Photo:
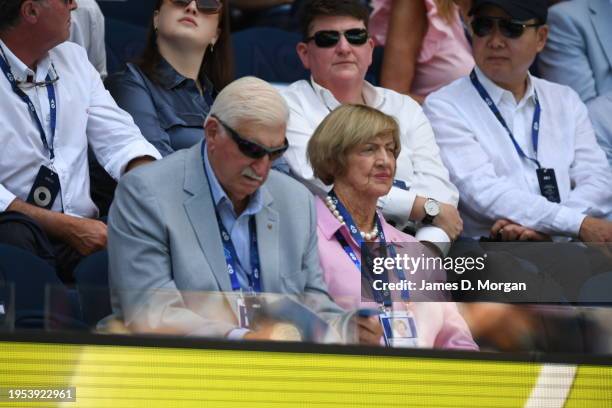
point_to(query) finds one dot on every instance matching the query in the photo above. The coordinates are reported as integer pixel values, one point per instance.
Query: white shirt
(495, 182)
(87, 30)
(419, 164)
(86, 113)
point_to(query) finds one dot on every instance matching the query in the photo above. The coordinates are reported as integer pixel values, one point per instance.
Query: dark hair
(337, 8)
(9, 13)
(218, 66)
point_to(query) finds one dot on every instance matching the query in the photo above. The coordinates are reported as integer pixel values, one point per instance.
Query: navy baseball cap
(521, 10)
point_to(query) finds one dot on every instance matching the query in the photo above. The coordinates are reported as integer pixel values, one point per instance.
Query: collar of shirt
(221, 199)
(169, 78)
(330, 224)
(370, 95)
(499, 94)
(21, 71)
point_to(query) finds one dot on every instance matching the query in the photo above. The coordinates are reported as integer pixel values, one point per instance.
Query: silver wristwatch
(432, 209)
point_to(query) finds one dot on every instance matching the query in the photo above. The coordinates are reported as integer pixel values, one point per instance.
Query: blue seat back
(31, 276)
(91, 277)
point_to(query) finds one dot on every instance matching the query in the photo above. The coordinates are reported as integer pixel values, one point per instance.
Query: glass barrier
(7, 307)
(314, 318)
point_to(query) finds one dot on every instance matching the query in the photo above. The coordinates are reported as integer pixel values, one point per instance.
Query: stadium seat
(91, 277)
(34, 281)
(124, 42)
(268, 53)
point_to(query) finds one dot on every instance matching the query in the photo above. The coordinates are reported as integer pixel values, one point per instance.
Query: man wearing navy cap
(521, 150)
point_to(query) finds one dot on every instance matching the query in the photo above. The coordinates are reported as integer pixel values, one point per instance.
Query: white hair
(250, 99)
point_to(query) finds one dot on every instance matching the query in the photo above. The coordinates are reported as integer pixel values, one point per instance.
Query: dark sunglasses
(252, 149)
(483, 26)
(329, 38)
(205, 6)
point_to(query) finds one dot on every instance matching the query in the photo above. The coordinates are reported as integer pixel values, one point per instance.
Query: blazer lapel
(201, 213)
(600, 15)
(268, 234)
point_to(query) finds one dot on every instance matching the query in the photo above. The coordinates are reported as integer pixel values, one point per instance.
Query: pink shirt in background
(439, 324)
(446, 54)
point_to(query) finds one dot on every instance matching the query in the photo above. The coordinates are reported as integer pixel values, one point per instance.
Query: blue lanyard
(52, 105)
(535, 127)
(385, 297)
(231, 257)
(229, 251)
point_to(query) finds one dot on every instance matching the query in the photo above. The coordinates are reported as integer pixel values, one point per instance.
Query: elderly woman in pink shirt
(355, 148)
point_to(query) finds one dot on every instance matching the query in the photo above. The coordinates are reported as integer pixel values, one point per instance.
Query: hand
(505, 327)
(278, 331)
(85, 235)
(369, 330)
(595, 230)
(509, 231)
(449, 220)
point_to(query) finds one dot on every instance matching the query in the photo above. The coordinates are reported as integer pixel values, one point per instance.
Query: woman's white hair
(252, 100)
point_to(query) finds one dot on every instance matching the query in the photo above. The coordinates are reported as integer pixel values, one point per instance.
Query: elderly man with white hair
(214, 218)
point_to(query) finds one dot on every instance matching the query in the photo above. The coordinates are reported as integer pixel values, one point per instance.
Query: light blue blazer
(167, 266)
(579, 54)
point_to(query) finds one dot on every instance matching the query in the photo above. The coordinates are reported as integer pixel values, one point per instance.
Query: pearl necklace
(329, 202)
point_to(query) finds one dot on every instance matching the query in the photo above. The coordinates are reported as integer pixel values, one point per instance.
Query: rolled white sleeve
(6, 198)
(112, 134)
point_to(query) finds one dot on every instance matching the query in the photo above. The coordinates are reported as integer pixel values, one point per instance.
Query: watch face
(432, 208)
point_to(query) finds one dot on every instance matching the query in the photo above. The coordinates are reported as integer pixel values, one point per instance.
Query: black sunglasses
(205, 6)
(483, 26)
(329, 38)
(252, 149)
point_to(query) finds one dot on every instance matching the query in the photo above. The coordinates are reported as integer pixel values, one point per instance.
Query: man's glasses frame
(329, 38)
(204, 6)
(252, 149)
(32, 84)
(513, 29)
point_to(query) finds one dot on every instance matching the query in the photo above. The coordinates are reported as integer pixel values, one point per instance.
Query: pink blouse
(439, 324)
(445, 55)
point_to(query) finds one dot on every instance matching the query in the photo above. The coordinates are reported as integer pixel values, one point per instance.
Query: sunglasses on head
(483, 26)
(329, 38)
(252, 149)
(205, 6)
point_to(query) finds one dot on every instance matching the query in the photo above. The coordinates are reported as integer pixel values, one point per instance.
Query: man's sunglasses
(483, 26)
(205, 6)
(329, 38)
(252, 149)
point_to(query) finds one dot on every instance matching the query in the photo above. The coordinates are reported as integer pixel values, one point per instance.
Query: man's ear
(211, 133)
(542, 37)
(302, 51)
(30, 11)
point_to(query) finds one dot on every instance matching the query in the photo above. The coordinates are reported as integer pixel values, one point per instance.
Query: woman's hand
(369, 330)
